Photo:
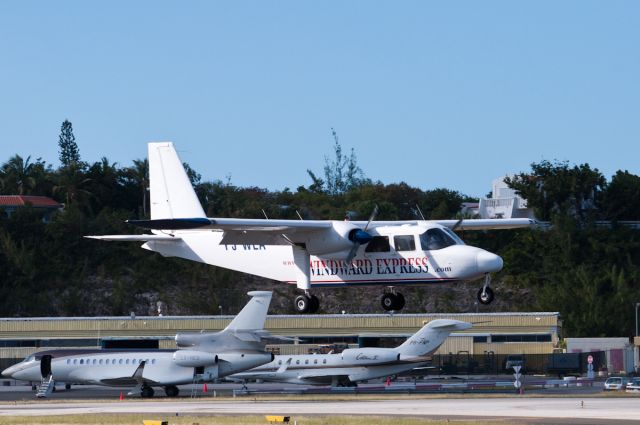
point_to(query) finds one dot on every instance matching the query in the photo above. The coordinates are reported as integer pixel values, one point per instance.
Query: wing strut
(302, 261)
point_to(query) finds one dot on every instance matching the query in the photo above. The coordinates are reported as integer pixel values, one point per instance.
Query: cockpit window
(436, 238)
(404, 243)
(378, 244)
(454, 235)
(29, 359)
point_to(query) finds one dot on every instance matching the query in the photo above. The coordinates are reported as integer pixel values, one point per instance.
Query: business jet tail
(430, 337)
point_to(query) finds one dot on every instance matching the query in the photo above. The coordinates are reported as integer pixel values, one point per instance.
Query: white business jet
(356, 364)
(201, 357)
(311, 253)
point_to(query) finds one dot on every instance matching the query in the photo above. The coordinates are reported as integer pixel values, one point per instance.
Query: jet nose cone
(488, 262)
(8, 372)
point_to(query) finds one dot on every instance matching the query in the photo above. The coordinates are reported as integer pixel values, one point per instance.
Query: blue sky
(437, 94)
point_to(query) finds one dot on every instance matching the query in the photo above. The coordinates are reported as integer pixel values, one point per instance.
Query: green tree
(622, 197)
(341, 173)
(555, 188)
(69, 152)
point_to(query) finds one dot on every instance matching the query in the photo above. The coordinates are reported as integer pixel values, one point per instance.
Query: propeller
(360, 237)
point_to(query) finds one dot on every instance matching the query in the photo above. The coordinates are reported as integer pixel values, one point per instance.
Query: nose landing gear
(485, 294)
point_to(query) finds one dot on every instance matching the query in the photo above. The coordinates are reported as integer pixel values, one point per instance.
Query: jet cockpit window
(378, 244)
(434, 239)
(404, 243)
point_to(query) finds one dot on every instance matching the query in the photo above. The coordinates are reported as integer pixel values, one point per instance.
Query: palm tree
(18, 175)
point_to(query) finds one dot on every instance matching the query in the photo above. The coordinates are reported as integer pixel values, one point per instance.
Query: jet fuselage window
(404, 243)
(81, 361)
(378, 244)
(434, 239)
(120, 361)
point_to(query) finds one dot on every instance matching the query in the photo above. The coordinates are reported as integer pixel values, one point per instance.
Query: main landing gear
(171, 391)
(146, 392)
(307, 303)
(485, 294)
(392, 300)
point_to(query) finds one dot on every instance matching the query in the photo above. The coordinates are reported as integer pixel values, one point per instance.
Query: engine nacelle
(339, 238)
(367, 356)
(192, 358)
(237, 362)
(193, 339)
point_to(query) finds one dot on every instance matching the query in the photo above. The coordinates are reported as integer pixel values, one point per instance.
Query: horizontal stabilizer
(172, 223)
(136, 238)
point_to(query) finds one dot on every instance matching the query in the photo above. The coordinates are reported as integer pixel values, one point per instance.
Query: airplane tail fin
(171, 193)
(253, 315)
(430, 337)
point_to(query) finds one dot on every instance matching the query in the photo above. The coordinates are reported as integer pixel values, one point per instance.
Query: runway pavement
(571, 410)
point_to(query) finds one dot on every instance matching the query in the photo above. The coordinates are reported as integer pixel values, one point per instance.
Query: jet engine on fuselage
(364, 356)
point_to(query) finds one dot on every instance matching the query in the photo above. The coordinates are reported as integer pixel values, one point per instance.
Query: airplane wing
(488, 223)
(238, 231)
(136, 238)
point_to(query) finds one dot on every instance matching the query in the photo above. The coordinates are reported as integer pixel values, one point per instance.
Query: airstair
(46, 386)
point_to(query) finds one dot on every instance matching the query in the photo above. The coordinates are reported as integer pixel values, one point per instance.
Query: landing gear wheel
(392, 301)
(171, 391)
(485, 295)
(387, 301)
(314, 304)
(146, 392)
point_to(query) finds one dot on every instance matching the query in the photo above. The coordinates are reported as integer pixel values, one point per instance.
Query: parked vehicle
(615, 383)
(633, 386)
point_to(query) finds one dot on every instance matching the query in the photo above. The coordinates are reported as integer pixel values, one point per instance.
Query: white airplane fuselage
(394, 267)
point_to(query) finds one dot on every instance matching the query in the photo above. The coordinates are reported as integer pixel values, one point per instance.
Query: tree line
(587, 272)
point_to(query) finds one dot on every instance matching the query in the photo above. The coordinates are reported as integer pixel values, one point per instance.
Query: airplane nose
(488, 262)
(8, 372)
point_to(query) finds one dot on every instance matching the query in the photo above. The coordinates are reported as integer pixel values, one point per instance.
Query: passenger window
(315, 361)
(81, 361)
(279, 362)
(404, 243)
(378, 244)
(120, 361)
(324, 361)
(153, 361)
(434, 239)
(100, 361)
(127, 362)
(75, 361)
(306, 361)
(297, 361)
(94, 361)
(68, 361)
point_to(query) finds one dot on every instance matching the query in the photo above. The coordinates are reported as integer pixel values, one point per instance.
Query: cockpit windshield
(454, 235)
(437, 238)
(29, 358)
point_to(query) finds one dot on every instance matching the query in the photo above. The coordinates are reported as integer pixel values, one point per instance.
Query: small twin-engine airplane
(311, 253)
(201, 357)
(356, 364)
